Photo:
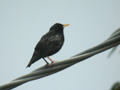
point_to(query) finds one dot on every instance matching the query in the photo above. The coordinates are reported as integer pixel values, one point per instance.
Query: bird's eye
(56, 28)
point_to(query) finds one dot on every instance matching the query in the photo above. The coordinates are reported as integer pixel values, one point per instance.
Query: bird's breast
(55, 44)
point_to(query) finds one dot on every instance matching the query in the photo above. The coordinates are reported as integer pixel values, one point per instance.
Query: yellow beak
(65, 25)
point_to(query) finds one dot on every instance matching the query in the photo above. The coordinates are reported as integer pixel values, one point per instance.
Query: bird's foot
(52, 61)
(50, 64)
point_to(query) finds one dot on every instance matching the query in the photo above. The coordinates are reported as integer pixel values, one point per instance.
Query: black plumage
(49, 44)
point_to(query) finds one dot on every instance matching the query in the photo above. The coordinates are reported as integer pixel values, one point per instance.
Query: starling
(49, 44)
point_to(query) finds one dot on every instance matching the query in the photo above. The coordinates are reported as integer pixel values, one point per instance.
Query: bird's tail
(29, 64)
(34, 58)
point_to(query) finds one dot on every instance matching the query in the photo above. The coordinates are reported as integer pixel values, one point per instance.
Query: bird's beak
(65, 25)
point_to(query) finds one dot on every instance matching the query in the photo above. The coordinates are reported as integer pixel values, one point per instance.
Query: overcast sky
(23, 22)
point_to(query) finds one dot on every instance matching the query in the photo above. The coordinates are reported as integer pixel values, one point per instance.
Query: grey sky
(23, 22)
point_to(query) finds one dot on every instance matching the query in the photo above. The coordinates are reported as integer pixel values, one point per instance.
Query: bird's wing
(49, 44)
(42, 43)
(39, 50)
(54, 44)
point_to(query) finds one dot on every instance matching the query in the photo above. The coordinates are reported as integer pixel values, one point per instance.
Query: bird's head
(58, 27)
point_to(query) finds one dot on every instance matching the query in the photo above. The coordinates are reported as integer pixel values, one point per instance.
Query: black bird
(49, 44)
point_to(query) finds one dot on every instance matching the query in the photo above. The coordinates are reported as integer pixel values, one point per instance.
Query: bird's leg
(45, 61)
(50, 60)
